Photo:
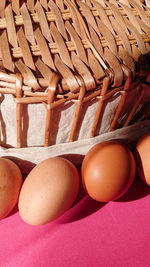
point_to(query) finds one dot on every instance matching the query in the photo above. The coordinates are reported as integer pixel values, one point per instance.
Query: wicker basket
(53, 53)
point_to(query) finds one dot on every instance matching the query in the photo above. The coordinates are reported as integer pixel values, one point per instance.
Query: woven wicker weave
(70, 50)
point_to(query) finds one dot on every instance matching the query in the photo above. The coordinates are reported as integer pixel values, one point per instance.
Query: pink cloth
(90, 234)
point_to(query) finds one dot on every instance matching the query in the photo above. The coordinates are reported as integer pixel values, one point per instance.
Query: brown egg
(10, 184)
(108, 170)
(142, 156)
(48, 191)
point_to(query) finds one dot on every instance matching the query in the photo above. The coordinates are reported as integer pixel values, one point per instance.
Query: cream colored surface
(36, 154)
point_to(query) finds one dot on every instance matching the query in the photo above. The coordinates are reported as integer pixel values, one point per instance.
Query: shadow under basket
(83, 61)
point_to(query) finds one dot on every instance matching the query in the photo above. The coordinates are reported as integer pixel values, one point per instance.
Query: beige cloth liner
(74, 151)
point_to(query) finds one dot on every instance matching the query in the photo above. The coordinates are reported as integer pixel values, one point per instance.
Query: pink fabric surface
(90, 234)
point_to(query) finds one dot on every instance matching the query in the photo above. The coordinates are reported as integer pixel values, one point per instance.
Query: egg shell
(108, 171)
(48, 191)
(142, 156)
(10, 184)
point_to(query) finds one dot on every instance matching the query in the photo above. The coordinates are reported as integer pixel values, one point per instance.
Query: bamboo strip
(77, 111)
(121, 103)
(105, 86)
(50, 98)
(36, 94)
(66, 15)
(30, 100)
(5, 90)
(134, 108)
(19, 109)
(17, 53)
(13, 86)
